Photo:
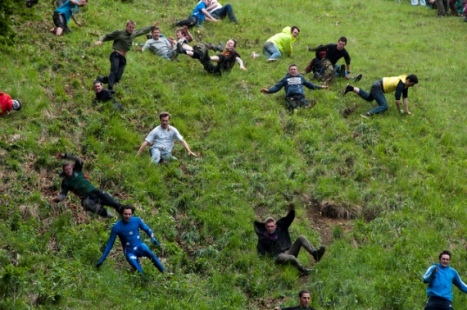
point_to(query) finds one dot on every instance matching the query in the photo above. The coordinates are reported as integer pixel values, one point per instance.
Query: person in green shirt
(74, 180)
(122, 41)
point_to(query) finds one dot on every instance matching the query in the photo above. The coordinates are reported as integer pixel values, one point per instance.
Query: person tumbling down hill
(274, 240)
(225, 60)
(63, 14)
(293, 83)
(8, 104)
(74, 180)
(399, 84)
(127, 230)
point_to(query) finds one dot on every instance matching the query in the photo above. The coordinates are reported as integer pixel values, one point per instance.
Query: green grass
(398, 181)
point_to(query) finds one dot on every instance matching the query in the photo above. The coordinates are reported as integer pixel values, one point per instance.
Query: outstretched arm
(187, 148)
(108, 246)
(141, 148)
(240, 62)
(209, 16)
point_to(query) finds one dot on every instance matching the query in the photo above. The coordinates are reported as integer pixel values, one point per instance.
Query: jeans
(438, 303)
(117, 65)
(377, 94)
(290, 256)
(271, 50)
(224, 11)
(415, 2)
(142, 250)
(157, 154)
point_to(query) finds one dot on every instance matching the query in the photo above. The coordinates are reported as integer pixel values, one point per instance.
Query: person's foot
(100, 78)
(305, 272)
(110, 215)
(357, 78)
(320, 253)
(180, 48)
(53, 30)
(254, 55)
(365, 115)
(348, 88)
(271, 59)
(311, 104)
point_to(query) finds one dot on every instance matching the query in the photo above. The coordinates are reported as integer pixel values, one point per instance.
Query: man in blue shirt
(63, 14)
(440, 278)
(127, 230)
(293, 83)
(199, 14)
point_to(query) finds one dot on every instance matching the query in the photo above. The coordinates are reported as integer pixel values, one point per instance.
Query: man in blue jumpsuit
(127, 230)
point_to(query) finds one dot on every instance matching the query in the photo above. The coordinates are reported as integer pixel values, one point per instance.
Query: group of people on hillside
(445, 7)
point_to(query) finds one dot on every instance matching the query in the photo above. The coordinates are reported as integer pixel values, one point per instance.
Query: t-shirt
(164, 138)
(67, 9)
(159, 47)
(197, 11)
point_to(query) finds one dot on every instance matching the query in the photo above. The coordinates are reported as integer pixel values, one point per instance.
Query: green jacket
(283, 41)
(122, 39)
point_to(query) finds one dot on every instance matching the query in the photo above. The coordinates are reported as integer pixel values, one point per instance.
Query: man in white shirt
(162, 140)
(218, 11)
(160, 45)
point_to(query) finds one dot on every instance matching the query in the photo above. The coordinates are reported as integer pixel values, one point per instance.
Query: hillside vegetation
(385, 194)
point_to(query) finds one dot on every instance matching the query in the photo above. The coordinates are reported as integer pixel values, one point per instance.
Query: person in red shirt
(7, 104)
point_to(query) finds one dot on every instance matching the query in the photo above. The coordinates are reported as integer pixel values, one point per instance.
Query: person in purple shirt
(440, 278)
(127, 230)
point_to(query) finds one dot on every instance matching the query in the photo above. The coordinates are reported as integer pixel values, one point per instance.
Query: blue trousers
(133, 255)
(271, 50)
(377, 94)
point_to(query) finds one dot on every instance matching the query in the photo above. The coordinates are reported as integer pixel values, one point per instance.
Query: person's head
(321, 52)
(127, 212)
(156, 32)
(207, 2)
(16, 104)
(444, 258)
(304, 298)
(295, 31)
(98, 86)
(230, 45)
(164, 117)
(67, 169)
(411, 80)
(82, 2)
(270, 225)
(341, 43)
(293, 70)
(130, 26)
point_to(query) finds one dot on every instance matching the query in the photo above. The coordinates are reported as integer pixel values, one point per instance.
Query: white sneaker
(272, 59)
(254, 55)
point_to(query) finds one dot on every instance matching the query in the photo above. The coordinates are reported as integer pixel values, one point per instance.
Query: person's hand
(264, 90)
(408, 112)
(243, 68)
(58, 155)
(99, 43)
(155, 242)
(79, 24)
(156, 24)
(324, 86)
(192, 154)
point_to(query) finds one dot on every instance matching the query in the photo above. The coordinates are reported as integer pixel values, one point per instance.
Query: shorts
(60, 21)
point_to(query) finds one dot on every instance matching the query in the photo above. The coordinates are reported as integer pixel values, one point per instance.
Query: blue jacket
(128, 233)
(440, 281)
(293, 85)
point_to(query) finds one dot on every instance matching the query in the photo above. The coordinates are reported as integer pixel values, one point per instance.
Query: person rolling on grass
(63, 14)
(122, 41)
(334, 52)
(183, 36)
(8, 104)
(225, 60)
(440, 277)
(127, 230)
(162, 140)
(274, 240)
(74, 180)
(219, 11)
(293, 83)
(104, 95)
(199, 14)
(279, 44)
(399, 84)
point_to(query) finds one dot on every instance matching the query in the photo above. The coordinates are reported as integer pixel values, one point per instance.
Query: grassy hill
(385, 195)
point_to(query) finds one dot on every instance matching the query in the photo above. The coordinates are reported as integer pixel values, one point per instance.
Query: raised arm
(240, 62)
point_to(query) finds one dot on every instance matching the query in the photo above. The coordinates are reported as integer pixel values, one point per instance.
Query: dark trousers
(290, 256)
(190, 22)
(224, 11)
(96, 201)
(438, 303)
(207, 64)
(117, 66)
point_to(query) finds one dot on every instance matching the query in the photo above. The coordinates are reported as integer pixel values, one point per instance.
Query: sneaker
(320, 253)
(111, 91)
(220, 47)
(357, 78)
(271, 60)
(100, 78)
(342, 71)
(180, 49)
(365, 115)
(348, 88)
(254, 55)
(305, 272)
